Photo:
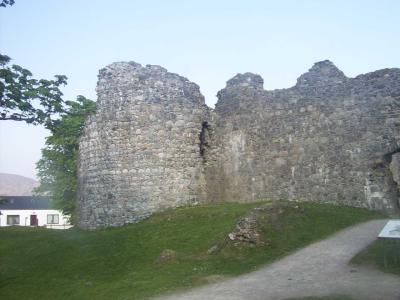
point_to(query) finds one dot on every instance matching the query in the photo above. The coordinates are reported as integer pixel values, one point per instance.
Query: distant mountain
(16, 185)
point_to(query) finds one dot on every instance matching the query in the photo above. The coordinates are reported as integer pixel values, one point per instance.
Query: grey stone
(166, 255)
(154, 144)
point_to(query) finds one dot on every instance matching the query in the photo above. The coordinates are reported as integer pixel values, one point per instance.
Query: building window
(52, 219)
(13, 220)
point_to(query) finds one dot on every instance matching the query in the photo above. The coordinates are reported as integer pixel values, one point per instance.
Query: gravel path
(319, 269)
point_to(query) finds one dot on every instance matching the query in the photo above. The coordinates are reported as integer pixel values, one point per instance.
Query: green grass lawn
(383, 254)
(121, 263)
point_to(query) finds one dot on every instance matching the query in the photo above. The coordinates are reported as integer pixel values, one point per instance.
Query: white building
(31, 211)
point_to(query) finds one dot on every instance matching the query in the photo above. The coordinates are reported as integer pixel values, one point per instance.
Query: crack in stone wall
(203, 137)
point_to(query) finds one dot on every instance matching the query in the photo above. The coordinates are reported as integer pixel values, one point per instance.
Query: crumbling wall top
(322, 73)
(246, 80)
(148, 83)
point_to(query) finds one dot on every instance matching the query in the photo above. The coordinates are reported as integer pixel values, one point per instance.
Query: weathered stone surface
(154, 144)
(246, 230)
(329, 138)
(140, 152)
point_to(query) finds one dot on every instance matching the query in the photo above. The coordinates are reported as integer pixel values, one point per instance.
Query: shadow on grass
(383, 254)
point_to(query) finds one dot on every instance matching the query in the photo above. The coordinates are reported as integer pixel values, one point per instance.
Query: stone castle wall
(154, 144)
(329, 138)
(140, 152)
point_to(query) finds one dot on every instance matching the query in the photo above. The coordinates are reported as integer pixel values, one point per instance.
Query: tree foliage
(4, 3)
(57, 169)
(23, 98)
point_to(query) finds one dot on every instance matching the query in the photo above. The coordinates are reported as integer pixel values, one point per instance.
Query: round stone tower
(140, 153)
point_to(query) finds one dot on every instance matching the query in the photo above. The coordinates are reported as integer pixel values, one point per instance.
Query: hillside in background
(16, 185)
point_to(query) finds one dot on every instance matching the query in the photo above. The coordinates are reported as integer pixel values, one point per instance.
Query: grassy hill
(125, 263)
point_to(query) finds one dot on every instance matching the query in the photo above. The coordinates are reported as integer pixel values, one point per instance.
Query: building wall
(153, 144)
(41, 215)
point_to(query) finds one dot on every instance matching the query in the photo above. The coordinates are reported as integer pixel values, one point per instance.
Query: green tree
(57, 169)
(23, 98)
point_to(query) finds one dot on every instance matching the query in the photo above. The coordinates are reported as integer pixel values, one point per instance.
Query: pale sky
(206, 41)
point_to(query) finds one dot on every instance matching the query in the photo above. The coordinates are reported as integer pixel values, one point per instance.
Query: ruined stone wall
(329, 138)
(153, 143)
(140, 152)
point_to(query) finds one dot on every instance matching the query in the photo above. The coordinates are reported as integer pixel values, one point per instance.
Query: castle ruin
(154, 144)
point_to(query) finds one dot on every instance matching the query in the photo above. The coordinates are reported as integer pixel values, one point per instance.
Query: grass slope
(120, 263)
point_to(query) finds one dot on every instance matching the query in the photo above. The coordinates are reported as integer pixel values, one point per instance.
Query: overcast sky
(205, 41)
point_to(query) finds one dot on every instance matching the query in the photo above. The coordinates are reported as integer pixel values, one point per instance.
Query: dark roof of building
(24, 202)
